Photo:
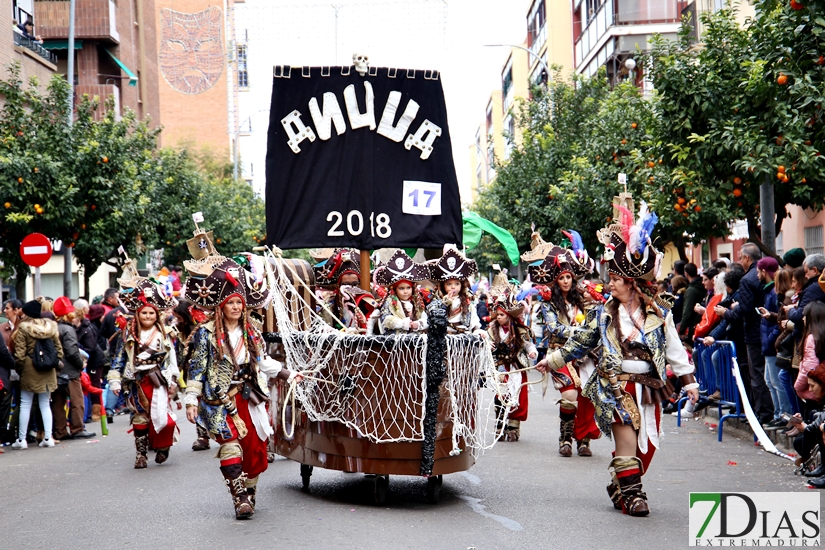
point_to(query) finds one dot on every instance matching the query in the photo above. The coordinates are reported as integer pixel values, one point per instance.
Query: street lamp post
(528, 50)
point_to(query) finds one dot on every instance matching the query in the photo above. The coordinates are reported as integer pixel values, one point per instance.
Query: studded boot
(628, 471)
(141, 448)
(235, 481)
(566, 436)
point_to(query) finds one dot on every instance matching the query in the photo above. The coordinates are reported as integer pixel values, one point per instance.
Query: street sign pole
(35, 251)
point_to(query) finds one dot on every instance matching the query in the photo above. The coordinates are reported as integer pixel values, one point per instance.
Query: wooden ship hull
(334, 446)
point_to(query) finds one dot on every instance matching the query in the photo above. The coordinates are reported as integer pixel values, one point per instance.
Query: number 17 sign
(422, 198)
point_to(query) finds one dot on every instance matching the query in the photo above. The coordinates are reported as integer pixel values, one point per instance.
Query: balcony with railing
(34, 46)
(94, 19)
(625, 13)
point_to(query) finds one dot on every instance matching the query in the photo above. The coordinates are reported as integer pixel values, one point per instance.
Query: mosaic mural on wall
(191, 49)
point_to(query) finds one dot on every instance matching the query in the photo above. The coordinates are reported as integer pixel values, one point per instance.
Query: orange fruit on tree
(19, 180)
(93, 207)
(821, 60)
(634, 125)
(807, 142)
(697, 208)
(737, 192)
(651, 164)
(36, 170)
(677, 207)
(782, 80)
(796, 5)
(681, 200)
(737, 180)
(7, 204)
(624, 142)
(780, 169)
(105, 159)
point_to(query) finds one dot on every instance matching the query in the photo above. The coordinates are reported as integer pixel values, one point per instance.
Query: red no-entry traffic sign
(36, 249)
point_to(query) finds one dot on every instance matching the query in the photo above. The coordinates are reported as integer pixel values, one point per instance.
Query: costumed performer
(144, 365)
(227, 391)
(355, 307)
(566, 307)
(187, 318)
(512, 347)
(637, 338)
(451, 273)
(403, 309)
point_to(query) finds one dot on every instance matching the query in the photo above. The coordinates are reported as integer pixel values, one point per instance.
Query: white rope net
(377, 385)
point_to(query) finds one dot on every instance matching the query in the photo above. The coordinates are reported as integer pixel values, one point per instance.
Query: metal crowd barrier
(711, 380)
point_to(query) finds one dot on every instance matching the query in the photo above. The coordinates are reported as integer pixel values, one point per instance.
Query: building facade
(195, 77)
(548, 45)
(33, 59)
(114, 50)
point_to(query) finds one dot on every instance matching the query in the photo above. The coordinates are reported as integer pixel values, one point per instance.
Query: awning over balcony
(133, 79)
(61, 44)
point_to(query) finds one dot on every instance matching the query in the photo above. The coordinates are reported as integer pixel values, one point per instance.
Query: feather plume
(575, 241)
(627, 222)
(634, 242)
(647, 226)
(525, 293)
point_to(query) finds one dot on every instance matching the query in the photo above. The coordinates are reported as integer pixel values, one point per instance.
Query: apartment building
(34, 60)
(548, 43)
(114, 50)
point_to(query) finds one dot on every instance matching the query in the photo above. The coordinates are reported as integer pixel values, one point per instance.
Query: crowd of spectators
(775, 317)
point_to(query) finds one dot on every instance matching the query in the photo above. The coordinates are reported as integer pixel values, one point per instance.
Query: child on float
(451, 273)
(403, 309)
(513, 349)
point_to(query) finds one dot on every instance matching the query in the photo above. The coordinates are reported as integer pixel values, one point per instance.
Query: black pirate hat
(400, 267)
(453, 265)
(227, 279)
(341, 262)
(628, 247)
(137, 291)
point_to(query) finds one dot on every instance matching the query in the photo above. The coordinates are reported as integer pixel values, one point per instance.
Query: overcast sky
(420, 34)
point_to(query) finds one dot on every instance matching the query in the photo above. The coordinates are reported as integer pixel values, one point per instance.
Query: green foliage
(742, 108)
(102, 182)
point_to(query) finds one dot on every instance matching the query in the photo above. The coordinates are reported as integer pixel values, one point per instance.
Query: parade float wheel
(306, 473)
(382, 485)
(434, 488)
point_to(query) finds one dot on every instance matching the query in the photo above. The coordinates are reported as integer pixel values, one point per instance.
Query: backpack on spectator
(44, 357)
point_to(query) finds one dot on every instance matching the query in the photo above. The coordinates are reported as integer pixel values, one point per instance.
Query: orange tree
(552, 127)
(38, 191)
(743, 109)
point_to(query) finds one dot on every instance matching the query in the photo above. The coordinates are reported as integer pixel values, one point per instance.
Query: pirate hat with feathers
(453, 265)
(340, 262)
(400, 267)
(574, 260)
(503, 295)
(628, 246)
(226, 279)
(137, 291)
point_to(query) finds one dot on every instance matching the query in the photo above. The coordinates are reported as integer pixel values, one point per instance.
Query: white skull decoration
(451, 263)
(399, 264)
(361, 62)
(147, 292)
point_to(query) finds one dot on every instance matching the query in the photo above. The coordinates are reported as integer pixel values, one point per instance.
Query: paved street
(519, 495)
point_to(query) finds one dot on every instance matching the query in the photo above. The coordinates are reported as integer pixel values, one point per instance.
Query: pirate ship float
(381, 405)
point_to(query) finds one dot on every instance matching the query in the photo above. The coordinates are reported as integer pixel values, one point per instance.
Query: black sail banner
(360, 161)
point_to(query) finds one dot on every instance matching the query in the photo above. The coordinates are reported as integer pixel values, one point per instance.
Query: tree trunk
(86, 278)
(755, 236)
(680, 243)
(20, 285)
